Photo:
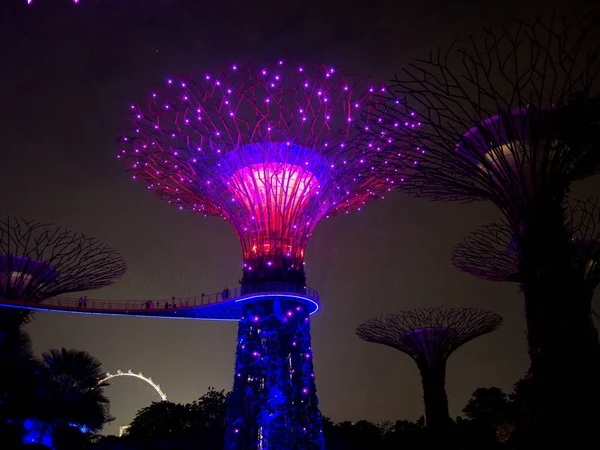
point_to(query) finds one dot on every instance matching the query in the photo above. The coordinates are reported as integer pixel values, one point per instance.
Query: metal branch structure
(492, 253)
(489, 253)
(506, 118)
(39, 261)
(512, 117)
(429, 336)
(272, 150)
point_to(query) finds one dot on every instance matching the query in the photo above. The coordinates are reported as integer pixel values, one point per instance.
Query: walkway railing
(177, 303)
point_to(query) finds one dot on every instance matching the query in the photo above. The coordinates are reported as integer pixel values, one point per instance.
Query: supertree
(272, 150)
(429, 336)
(513, 118)
(39, 261)
(492, 252)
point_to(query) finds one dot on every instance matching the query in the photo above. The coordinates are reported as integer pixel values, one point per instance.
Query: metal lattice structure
(429, 336)
(271, 149)
(506, 118)
(492, 253)
(513, 118)
(489, 253)
(39, 261)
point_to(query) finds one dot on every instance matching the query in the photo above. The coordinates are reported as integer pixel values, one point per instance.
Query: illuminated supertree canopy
(513, 117)
(39, 261)
(271, 149)
(429, 336)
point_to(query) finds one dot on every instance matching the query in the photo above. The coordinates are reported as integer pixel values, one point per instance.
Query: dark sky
(68, 72)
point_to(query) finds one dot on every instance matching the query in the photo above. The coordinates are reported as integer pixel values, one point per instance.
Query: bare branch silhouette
(39, 261)
(430, 334)
(506, 118)
(492, 252)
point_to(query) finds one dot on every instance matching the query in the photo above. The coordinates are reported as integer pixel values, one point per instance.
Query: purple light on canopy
(39, 261)
(272, 149)
(517, 125)
(21, 276)
(429, 342)
(429, 336)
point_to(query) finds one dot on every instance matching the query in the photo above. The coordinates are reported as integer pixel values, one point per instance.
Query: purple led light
(255, 133)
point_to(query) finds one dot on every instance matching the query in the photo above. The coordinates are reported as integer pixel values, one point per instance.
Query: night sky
(67, 74)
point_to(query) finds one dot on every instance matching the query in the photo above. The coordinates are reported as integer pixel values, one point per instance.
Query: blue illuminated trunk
(274, 402)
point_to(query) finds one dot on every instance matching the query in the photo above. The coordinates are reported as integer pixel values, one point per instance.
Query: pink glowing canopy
(272, 149)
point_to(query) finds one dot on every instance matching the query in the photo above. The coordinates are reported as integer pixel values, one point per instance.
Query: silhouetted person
(80, 302)
(85, 301)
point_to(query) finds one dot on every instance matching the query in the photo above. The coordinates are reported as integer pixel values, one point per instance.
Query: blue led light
(232, 310)
(303, 299)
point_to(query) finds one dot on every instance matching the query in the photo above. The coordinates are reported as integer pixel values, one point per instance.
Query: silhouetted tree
(68, 394)
(208, 418)
(490, 419)
(17, 372)
(160, 420)
(200, 424)
(352, 436)
(406, 435)
(522, 403)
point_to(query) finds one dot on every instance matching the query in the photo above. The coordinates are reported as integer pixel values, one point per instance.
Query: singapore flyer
(140, 375)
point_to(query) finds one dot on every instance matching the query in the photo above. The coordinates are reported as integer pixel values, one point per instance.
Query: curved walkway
(225, 305)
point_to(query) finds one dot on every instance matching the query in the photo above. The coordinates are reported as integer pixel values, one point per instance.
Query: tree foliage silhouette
(201, 423)
(68, 391)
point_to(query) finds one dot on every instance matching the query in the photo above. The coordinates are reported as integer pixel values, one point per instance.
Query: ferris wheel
(139, 375)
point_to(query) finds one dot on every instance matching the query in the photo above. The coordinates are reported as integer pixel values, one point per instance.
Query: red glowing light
(273, 150)
(276, 196)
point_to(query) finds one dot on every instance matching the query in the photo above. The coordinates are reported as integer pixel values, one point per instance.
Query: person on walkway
(80, 302)
(85, 301)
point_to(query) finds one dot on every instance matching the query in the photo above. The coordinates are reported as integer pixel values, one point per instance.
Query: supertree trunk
(435, 398)
(563, 352)
(273, 404)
